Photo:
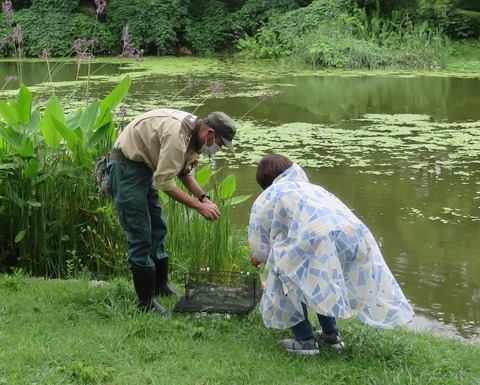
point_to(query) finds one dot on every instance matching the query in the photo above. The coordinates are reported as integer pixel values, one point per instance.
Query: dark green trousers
(139, 209)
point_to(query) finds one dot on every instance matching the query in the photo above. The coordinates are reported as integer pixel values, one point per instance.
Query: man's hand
(206, 208)
(209, 210)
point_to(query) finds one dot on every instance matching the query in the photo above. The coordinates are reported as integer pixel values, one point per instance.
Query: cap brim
(228, 144)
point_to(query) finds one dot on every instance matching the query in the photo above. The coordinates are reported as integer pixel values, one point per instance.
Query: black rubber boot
(144, 283)
(162, 288)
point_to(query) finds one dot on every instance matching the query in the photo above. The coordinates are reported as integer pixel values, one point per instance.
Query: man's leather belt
(117, 154)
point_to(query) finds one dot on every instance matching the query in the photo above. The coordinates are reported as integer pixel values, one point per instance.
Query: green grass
(73, 332)
(465, 56)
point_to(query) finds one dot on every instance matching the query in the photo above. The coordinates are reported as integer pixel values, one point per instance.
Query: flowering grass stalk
(83, 48)
(15, 37)
(215, 89)
(45, 56)
(129, 49)
(190, 84)
(101, 5)
(8, 79)
(265, 96)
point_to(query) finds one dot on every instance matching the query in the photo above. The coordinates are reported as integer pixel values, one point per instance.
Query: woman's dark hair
(270, 167)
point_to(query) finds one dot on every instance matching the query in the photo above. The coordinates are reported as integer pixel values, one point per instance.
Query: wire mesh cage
(218, 292)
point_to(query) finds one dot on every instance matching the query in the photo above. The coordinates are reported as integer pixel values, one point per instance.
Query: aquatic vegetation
(414, 141)
(8, 79)
(447, 215)
(51, 218)
(269, 94)
(195, 243)
(128, 48)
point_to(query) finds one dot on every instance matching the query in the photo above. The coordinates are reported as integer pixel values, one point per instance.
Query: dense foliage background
(265, 28)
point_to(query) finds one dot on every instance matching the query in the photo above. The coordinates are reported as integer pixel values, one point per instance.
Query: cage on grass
(218, 292)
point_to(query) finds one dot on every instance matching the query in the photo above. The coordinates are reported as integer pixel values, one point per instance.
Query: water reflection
(35, 73)
(333, 99)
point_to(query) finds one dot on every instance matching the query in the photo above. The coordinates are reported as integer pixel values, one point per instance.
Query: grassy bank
(465, 56)
(74, 332)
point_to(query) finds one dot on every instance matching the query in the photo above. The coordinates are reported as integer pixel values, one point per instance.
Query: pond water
(401, 150)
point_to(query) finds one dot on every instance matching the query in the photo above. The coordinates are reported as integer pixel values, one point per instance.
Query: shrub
(254, 13)
(153, 24)
(280, 36)
(55, 32)
(462, 24)
(331, 34)
(208, 28)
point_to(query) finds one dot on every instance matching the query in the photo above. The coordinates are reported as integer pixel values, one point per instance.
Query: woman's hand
(255, 262)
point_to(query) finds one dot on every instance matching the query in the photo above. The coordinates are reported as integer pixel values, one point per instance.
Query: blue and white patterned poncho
(318, 252)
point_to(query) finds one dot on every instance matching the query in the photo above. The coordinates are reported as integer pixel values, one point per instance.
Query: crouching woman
(320, 257)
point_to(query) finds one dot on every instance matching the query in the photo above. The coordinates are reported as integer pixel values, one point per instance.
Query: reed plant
(195, 243)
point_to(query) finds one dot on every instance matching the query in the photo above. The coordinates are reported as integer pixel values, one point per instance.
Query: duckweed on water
(413, 141)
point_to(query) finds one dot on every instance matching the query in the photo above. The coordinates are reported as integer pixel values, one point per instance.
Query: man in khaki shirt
(156, 148)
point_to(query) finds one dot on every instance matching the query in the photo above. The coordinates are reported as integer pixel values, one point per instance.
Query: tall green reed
(196, 243)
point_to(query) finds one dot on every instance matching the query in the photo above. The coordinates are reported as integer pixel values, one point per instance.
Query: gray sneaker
(304, 347)
(334, 340)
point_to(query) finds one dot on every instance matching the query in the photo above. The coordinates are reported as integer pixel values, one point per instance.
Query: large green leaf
(78, 131)
(33, 203)
(89, 117)
(203, 174)
(66, 134)
(237, 200)
(8, 166)
(72, 120)
(84, 156)
(98, 135)
(52, 110)
(7, 112)
(34, 121)
(26, 148)
(20, 235)
(10, 136)
(24, 105)
(32, 168)
(117, 95)
(106, 118)
(13, 196)
(228, 186)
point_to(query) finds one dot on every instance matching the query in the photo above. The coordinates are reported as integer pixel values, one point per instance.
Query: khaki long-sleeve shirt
(164, 140)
